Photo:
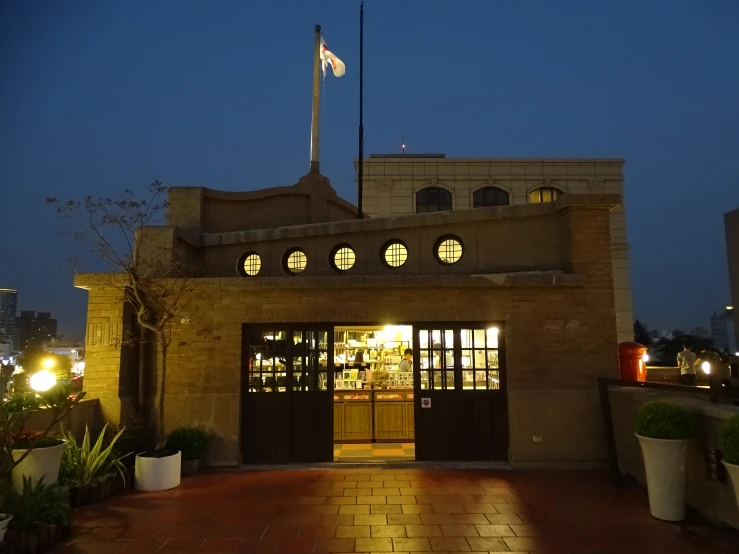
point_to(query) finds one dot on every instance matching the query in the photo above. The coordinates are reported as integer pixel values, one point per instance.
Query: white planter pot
(664, 462)
(733, 472)
(41, 462)
(4, 525)
(157, 474)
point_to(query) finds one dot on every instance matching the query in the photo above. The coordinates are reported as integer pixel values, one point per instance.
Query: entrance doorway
(373, 394)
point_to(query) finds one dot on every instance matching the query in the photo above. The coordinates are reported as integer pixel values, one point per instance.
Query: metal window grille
(252, 264)
(450, 251)
(296, 262)
(344, 258)
(396, 254)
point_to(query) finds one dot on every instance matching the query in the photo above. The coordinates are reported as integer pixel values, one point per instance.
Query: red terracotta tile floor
(376, 510)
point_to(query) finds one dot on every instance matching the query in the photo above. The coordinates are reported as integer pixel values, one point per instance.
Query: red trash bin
(631, 361)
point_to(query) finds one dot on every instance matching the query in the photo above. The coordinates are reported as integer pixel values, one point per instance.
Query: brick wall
(560, 335)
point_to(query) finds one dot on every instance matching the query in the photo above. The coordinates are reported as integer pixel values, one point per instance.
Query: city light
(48, 363)
(42, 381)
(706, 367)
(645, 358)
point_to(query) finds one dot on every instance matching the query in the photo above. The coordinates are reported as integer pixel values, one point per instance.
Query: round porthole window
(250, 264)
(343, 258)
(295, 261)
(394, 254)
(449, 250)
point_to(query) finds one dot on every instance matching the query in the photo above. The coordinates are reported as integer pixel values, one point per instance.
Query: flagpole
(314, 165)
(360, 181)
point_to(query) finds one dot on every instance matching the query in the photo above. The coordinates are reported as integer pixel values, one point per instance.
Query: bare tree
(116, 232)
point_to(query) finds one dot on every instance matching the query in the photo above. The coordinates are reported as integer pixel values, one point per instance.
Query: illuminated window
(250, 264)
(295, 261)
(394, 254)
(433, 199)
(480, 359)
(343, 258)
(449, 250)
(544, 194)
(489, 196)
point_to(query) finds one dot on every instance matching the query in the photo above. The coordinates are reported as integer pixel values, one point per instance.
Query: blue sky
(96, 97)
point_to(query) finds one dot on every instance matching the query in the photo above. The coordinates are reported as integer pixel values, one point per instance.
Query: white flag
(328, 57)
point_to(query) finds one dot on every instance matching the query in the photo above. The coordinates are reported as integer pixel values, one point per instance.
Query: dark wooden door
(311, 400)
(286, 394)
(460, 391)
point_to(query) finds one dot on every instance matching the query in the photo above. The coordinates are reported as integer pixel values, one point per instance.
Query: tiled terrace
(375, 510)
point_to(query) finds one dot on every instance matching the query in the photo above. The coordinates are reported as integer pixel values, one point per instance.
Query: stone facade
(391, 183)
(545, 271)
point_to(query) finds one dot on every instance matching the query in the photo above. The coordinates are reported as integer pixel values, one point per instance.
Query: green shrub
(36, 503)
(83, 464)
(730, 441)
(663, 420)
(193, 442)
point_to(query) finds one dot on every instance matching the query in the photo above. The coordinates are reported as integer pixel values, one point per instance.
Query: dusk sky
(100, 96)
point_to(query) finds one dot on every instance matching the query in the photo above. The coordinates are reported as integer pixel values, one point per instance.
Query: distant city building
(723, 332)
(8, 307)
(35, 329)
(731, 225)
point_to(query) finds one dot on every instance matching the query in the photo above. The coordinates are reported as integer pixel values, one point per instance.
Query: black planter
(11, 539)
(190, 467)
(75, 497)
(42, 529)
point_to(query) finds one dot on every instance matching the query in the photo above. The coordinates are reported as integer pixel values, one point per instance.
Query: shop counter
(365, 415)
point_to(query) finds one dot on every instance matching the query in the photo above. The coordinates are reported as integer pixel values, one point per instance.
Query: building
(8, 310)
(509, 311)
(731, 225)
(723, 334)
(399, 184)
(34, 329)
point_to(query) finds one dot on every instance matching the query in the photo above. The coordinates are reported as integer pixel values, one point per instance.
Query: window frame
(438, 244)
(335, 251)
(540, 190)
(241, 270)
(487, 188)
(385, 248)
(286, 258)
(428, 189)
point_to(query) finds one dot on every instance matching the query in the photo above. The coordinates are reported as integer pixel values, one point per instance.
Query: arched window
(433, 199)
(489, 196)
(544, 194)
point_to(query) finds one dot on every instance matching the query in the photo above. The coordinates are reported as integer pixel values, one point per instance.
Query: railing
(715, 394)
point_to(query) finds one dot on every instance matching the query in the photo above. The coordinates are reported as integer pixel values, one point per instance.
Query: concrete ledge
(516, 211)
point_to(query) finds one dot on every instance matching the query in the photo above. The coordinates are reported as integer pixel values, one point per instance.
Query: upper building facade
(401, 184)
(8, 307)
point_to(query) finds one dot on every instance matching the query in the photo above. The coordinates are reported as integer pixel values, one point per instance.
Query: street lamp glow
(48, 363)
(645, 357)
(42, 380)
(706, 367)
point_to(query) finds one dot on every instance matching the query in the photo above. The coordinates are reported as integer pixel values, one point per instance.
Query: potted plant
(664, 431)
(730, 451)
(157, 470)
(39, 512)
(87, 468)
(193, 443)
(39, 457)
(17, 446)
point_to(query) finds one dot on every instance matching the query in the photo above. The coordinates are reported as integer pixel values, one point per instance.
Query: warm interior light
(706, 367)
(42, 380)
(48, 363)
